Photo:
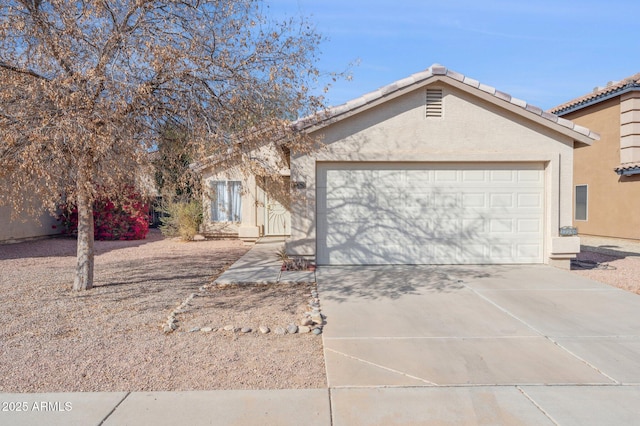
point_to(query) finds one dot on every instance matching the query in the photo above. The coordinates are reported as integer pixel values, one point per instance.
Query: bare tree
(87, 85)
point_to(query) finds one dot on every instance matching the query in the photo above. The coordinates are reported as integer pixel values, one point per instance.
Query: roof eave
(565, 127)
(597, 99)
(361, 104)
(441, 74)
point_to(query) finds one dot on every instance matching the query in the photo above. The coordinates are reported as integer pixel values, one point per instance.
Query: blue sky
(545, 52)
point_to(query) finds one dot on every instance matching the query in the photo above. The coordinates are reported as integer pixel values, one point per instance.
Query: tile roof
(598, 94)
(628, 168)
(436, 71)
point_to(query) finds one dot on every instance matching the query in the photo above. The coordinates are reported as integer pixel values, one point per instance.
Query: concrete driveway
(479, 345)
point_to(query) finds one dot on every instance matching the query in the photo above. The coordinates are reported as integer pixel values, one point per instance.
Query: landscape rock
(206, 329)
(303, 329)
(228, 328)
(306, 321)
(292, 329)
(317, 331)
(264, 329)
(280, 331)
(316, 318)
(246, 329)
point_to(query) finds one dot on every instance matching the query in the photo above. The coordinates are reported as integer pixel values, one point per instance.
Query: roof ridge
(440, 70)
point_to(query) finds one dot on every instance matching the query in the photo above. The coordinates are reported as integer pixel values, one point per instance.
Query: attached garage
(425, 213)
(435, 169)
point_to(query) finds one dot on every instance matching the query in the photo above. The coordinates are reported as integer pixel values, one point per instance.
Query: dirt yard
(111, 339)
(617, 271)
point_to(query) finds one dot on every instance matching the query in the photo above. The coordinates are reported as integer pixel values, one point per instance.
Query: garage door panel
(501, 200)
(529, 200)
(429, 213)
(473, 253)
(501, 253)
(418, 178)
(447, 200)
(474, 200)
(475, 227)
(530, 176)
(529, 226)
(503, 176)
(445, 176)
(390, 178)
(502, 226)
(474, 176)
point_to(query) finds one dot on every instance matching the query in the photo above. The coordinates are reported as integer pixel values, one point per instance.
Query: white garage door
(417, 213)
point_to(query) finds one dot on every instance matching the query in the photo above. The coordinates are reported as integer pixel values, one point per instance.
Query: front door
(278, 218)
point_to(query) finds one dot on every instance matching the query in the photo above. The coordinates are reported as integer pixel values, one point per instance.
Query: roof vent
(434, 103)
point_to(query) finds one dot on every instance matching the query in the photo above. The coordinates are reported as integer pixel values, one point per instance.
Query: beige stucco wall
(19, 229)
(613, 201)
(252, 201)
(268, 160)
(471, 130)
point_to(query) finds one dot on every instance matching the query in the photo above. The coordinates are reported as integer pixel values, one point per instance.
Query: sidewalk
(234, 407)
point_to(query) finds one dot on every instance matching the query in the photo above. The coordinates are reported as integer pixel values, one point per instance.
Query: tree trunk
(84, 267)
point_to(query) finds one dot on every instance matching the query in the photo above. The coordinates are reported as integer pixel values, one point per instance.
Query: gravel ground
(617, 271)
(110, 338)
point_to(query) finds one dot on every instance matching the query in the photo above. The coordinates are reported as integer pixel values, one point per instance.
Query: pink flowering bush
(110, 222)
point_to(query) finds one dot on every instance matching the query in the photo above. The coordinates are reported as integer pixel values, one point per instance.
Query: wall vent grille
(434, 103)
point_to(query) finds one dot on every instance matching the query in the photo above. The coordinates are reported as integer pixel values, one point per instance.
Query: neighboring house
(606, 175)
(13, 231)
(26, 227)
(436, 168)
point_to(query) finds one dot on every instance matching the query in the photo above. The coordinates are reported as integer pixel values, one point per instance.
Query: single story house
(437, 168)
(606, 175)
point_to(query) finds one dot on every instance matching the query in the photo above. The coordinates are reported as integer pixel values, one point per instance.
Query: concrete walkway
(416, 345)
(261, 265)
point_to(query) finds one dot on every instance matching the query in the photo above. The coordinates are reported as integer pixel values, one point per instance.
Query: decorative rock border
(311, 322)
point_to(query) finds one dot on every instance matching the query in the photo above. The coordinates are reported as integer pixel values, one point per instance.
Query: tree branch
(22, 71)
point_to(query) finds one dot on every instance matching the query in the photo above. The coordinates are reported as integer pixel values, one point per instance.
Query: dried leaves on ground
(110, 338)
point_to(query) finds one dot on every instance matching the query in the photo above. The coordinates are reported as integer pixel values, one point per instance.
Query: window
(226, 201)
(581, 202)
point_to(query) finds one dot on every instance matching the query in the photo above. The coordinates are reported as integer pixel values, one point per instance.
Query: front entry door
(278, 218)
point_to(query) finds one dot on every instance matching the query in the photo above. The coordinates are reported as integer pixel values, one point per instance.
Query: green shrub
(181, 219)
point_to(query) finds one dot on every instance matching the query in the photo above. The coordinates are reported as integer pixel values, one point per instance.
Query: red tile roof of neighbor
(598, 94)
